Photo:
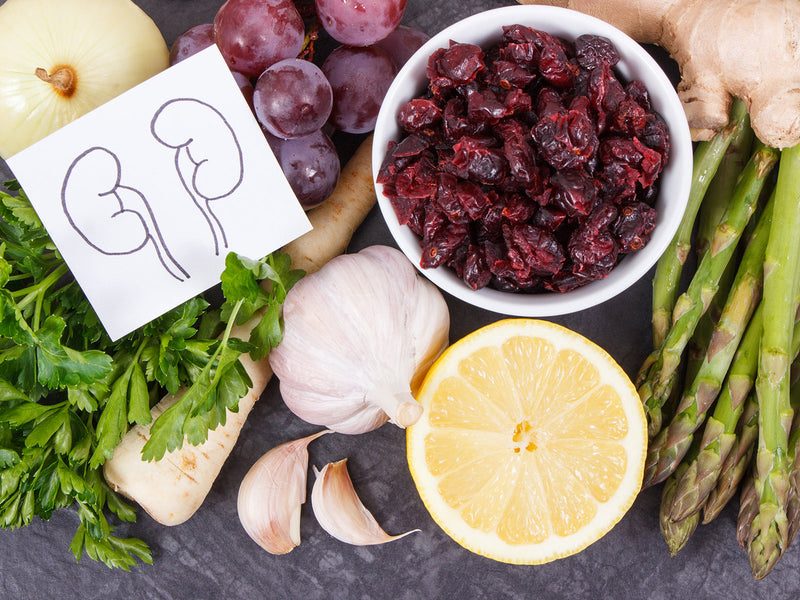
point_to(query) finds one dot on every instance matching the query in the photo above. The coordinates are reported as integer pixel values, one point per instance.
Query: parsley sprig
(68, 393)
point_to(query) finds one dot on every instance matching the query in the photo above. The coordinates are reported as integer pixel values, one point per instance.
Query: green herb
(68, 393)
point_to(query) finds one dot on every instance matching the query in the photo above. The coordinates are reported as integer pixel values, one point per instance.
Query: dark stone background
(210, 556)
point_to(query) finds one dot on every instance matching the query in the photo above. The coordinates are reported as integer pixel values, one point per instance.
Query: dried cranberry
(629, 118)
(403, 207)
(533, 250)
(483, 106)
(418, 180)
(594, 51)
(419, 114)
(574, 192)
(458, 64)
(476, 268)
(474, 200)
(519, 209)
(411, 146)
(549, 218)
(518, 34)
(636, 92)
(516, 101)
(566, 139)
(440, 247)
(448, 200)
(634, 226)
(518, 151)
(456, 123)
(605, 94)
(592, 246)
(478, 162)
(509, 74)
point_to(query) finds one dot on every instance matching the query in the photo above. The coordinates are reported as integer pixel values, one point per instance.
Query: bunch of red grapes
(298, 103)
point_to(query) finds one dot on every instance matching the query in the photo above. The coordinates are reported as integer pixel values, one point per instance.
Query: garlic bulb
(341, 513)
(272, 493)
(61, 58)
(360, 334)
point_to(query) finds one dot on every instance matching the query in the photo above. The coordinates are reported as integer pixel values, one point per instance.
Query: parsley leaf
(68, 394)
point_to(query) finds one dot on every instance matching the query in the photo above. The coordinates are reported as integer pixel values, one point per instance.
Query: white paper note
(145, 195)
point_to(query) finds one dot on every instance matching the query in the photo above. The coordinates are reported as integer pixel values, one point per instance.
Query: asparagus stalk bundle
(690, 306)
(717, 387)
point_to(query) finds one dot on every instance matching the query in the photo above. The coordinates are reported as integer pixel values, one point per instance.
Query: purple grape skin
(190, 42)
(360, 23)
(359, 78)
(311, 166)
(402, 43)
(244, 83)
(253, 34)
(292, 98)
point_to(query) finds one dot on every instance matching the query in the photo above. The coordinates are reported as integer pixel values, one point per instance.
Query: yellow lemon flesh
(532, 442)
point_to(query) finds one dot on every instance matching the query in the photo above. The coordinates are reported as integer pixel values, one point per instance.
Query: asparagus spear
(736, 463)
(748, 510)
(793, 503)
(691, 305)
(667, 276)
(769, 530)
(676, 532)
(719, 435)
(712, 475)
(749, 506)
(721, 187)
(667, 449)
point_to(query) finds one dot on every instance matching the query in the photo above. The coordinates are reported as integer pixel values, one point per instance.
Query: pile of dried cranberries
(528, 167)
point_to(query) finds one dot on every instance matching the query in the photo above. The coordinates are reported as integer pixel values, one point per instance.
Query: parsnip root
(172, 489)
(748, 49)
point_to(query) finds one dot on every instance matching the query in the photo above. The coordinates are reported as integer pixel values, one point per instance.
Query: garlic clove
(272, 493)
(340, 512)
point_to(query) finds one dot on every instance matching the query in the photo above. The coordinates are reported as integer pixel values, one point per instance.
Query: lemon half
(532, 442)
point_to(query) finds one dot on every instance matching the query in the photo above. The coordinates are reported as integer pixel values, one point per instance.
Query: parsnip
(172, 489)
(748, 49)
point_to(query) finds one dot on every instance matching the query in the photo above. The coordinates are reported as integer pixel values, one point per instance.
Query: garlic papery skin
(359, 336)
(341, 513)
(272, 494)
(61, 58)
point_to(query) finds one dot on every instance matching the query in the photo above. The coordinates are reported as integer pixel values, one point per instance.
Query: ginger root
(749, 49)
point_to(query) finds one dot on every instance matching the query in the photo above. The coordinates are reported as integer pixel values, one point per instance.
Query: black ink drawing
(208, 157)
(111, 218)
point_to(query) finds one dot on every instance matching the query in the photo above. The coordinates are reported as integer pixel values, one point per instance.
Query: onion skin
(109, 45)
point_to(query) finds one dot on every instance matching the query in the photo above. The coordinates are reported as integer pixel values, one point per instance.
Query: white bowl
(485, 29)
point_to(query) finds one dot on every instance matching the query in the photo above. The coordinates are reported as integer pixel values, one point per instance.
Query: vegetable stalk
(769, 530)
(669, 447)
(692, 304)
(707, 158)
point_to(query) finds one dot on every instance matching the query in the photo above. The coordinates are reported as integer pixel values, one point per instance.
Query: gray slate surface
(211, 557)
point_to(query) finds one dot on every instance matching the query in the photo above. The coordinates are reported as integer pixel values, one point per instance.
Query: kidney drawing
(208, 157)
(112, 218)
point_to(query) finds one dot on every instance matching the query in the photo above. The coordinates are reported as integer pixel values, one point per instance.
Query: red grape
(402, 43)
(310, 164)
(292, 98)
(253, 34)
(245, 85)
(362, 22)
(190, 42)
(359, 78)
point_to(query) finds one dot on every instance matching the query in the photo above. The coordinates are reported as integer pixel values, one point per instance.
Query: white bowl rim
(677, 173)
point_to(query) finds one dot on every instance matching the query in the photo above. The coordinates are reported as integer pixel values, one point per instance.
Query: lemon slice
(532, 442)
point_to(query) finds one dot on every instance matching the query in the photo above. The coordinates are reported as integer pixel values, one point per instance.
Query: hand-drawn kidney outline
(95, 175)
(199, 133)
